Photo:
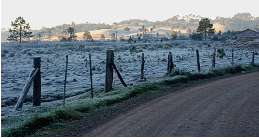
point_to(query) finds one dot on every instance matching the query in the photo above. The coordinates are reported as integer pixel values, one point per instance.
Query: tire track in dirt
(225, 107)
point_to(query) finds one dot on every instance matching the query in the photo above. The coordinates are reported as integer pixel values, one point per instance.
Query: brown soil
(224, 107)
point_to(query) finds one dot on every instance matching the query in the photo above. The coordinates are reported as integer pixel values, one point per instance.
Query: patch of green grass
(216, 72)
(37, 122)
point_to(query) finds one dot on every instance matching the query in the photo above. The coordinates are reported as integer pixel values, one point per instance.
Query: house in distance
(247, 33)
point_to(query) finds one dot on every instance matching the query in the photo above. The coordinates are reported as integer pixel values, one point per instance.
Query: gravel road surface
(225, 107)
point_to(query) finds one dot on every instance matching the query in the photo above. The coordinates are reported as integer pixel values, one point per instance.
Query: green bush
(234, 69)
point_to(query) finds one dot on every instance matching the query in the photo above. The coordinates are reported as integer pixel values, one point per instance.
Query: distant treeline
(238, 22)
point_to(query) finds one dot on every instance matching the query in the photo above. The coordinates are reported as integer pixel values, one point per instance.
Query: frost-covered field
(17, 63)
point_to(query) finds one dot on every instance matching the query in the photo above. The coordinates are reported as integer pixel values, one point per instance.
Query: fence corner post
(109, 70)
(170, 64)
(37, 83)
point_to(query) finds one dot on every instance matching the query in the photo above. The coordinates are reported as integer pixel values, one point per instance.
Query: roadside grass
(75, 110)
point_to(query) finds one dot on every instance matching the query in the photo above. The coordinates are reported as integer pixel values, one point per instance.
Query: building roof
(247, 30)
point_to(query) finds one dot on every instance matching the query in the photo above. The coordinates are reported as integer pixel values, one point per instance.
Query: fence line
(139, 65)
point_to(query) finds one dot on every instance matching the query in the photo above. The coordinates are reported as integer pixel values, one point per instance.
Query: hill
(188, 23)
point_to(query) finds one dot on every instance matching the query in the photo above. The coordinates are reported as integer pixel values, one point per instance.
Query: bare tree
(143, 30)
(152, 29)
(102, 37)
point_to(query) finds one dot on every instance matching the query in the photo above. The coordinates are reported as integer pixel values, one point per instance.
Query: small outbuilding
(248, 33)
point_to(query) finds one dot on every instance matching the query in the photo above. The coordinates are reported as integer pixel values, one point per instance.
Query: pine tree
(72, 35)
(20, 30)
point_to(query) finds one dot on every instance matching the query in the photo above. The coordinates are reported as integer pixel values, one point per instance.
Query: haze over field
(48, 14)
(51, 13)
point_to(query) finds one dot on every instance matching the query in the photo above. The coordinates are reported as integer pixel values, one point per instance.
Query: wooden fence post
(198, 61)
(109, 70)
(65, 80)
(142, 67)
(91, 79)
(253, 58)
(214, 59)
(232, 57)
(37, 83)
(170, 64)
(26, 88)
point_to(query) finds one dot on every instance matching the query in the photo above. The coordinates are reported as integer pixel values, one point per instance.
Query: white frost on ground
(17, 62)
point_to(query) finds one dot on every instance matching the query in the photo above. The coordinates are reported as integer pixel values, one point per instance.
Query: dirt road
(225, 107)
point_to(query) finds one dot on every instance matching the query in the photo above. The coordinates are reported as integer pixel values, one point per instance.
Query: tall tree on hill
(143, 30)
(71, 32)
(39, 35)
(48, 33)
(87, 35)
(179, 33)
(243, 16)
(115, 26)
(112, 36)
(219, 33)
(205, 27)
(173, 35)
(152, 29)
(189, 31)
(20, 30)
(102, 37)
(157, 35)
(73, 24)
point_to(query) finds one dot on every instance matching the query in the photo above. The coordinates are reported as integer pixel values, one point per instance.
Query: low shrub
(5, 51)
(11, 55)
(234, 69)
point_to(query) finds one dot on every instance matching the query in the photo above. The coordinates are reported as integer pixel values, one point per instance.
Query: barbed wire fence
(78, 82)
(79, 76)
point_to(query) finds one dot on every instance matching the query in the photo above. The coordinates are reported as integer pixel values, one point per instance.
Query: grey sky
(50, 13)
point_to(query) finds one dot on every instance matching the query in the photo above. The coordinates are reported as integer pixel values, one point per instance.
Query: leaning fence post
(109, 70)
(65, 80)
(92, 95)
(119, 75)
(142, 67)
(26, 88)
(253, 58)
(213, 59)
(198, 61)
(37, 83)
(170, 64)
